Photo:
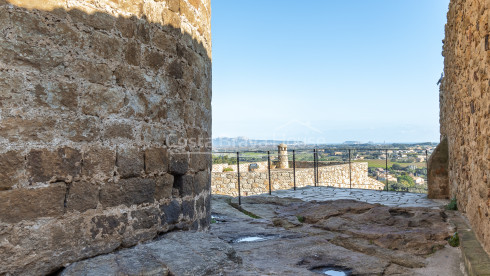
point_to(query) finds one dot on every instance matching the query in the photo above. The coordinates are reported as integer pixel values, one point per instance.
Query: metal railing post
(314, 167)
(294, 170)
(238, 170)
(386, 167)
(269, 168)
(350, 171)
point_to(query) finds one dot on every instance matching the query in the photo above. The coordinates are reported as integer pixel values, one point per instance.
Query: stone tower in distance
(282, 156)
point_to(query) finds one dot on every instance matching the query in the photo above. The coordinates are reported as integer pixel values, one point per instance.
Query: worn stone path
(392, 199)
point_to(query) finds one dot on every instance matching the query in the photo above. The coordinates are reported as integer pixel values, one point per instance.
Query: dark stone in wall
(132, 191)
(130, 162)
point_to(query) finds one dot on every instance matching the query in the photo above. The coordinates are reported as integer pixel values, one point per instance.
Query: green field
(378, 163)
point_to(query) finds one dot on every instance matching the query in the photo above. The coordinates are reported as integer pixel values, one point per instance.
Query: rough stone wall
(465, 110)
(103, 104)
(253, 183)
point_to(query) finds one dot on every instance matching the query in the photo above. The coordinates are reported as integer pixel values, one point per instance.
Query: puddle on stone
(332, 271)
(251, 239)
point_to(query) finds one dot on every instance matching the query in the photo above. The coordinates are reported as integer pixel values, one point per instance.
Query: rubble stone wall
(465, 110)
(105, 121)
(253, 183)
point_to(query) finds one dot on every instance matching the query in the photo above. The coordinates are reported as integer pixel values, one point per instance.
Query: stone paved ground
(392, 199)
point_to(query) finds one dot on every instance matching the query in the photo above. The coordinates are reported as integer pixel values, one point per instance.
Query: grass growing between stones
(300, 219)
(454, 240)
(453, 205)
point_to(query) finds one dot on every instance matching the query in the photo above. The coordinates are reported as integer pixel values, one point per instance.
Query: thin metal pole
(269, 168)
(350, 171)
(294, 169)
(238, 170)
(317, 169)
(314, 166)
(386, 167)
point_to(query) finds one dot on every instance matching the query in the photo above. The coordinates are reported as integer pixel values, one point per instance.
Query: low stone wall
(244, 167)
(253, 183)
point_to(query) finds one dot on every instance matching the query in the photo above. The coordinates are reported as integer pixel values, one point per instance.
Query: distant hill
(245, 142)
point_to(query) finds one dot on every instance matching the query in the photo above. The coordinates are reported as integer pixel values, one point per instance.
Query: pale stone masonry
(104, 123)
(465, 111)
(254, 183)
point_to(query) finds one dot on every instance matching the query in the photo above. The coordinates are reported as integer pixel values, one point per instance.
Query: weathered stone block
(164, 185)
(44, 165)
(202, 182)
(118, 130)
(80, 129)
(130, 162)
(98, 163)
(16, 129)
(98, 100)
(133, 53)
(175, 69)
(188, 208)
(145, 218)
(109, 225)
(132, 191)
(105, 46)
(154, 59)
(156, 160)
(12, 166)
(171, 212)
(179, 163)
(200, 161)
(82, 196)
(61, 95)
(18, 205)
(99, 21)
(437, 172)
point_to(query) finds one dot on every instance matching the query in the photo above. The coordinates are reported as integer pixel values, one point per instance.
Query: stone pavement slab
(388, 198)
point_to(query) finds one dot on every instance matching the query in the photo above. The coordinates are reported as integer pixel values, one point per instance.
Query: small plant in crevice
(228, 169)
(454, 240)
(452, 205)
(300, 219)
(213, 221)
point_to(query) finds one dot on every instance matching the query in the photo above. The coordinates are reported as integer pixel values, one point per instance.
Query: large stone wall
(104, 124)
(254, 183)
(465, 110)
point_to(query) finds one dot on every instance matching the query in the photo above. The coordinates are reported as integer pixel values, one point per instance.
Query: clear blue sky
(327, 71)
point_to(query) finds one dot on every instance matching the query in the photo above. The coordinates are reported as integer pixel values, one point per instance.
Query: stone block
(17, 129)
(165, 43)
(99, 163)
(188, 209)
(202, 182)
(154, 59)
(97, 20)
(156, 160)
(79, 129)
(437, 172)
(132, 53)
(164, 185)
(132, 191)
(98, 100)
(175, 69)
(99, 73)
(106, 46)
(57, 95)
(29, 204)
(12, 164)
(118, 130)
(82, 196)
(130, 162)
(200, 161)
(179, 163)
(45, 165)
(170, 212)
(145, 218)
(104, 226)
